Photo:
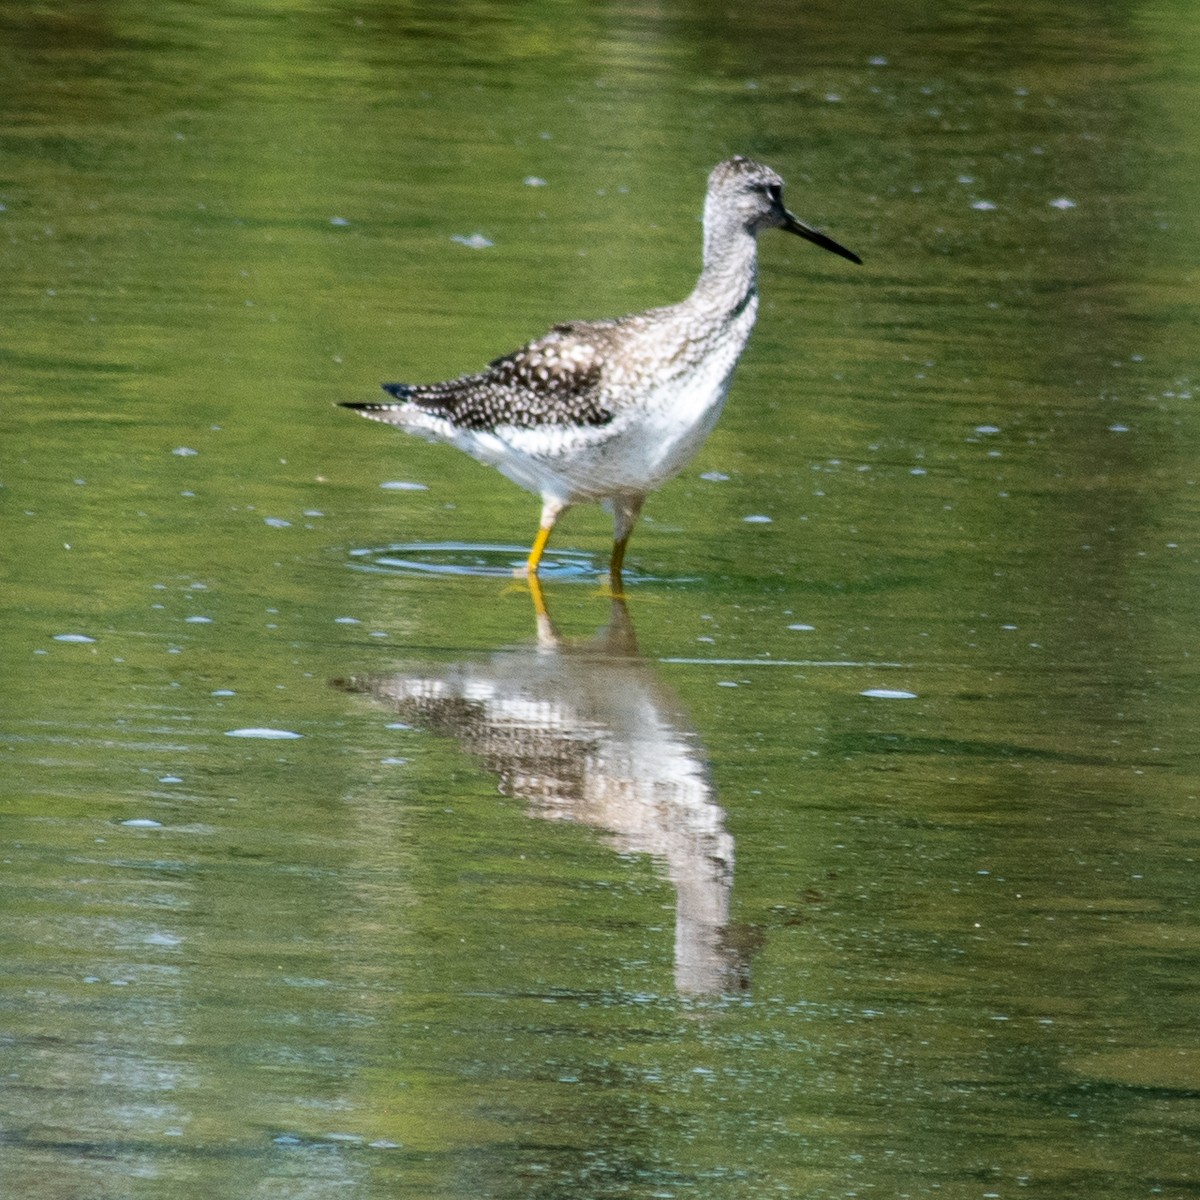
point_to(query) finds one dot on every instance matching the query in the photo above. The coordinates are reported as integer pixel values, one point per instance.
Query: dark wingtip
(402, 391)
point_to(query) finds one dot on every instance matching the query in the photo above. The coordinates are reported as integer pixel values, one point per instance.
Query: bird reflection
(586, 731)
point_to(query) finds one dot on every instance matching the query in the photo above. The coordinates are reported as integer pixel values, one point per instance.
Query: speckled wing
(555, 380)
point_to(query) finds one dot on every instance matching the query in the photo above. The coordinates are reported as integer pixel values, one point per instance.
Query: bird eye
(775, 192)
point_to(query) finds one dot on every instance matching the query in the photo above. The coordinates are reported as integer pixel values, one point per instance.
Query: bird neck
(729, 280)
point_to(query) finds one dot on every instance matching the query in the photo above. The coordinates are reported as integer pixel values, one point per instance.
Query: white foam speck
(185, 451)
(984, 205)
(403, 485)
(474, 241)
(277, 522)
(757, 519)
(1062, 202)
(142, 823)
(79, 638)
(888, 694)
(259, 732)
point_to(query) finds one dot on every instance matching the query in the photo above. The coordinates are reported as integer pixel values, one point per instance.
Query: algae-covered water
(853, 855)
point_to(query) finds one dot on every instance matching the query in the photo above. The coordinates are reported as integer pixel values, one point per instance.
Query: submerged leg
(551, 511)
(545, 627)
(626, 510)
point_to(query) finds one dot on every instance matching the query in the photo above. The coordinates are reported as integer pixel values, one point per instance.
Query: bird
(606, 411)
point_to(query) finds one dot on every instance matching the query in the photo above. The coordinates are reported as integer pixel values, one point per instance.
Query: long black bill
(796, 226)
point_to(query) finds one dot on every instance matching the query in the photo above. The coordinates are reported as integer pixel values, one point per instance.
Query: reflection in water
(588, 732)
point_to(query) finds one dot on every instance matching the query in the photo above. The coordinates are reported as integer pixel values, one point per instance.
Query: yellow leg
(551, 510)
(539, 545)
(539, 601)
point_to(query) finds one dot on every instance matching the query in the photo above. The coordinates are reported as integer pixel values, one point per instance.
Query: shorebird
(607, 411)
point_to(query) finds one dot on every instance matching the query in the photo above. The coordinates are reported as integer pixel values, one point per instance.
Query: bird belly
(655, 431)
(646, 444)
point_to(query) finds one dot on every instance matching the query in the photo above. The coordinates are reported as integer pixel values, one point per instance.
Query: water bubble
(474, 241)
(262, 732)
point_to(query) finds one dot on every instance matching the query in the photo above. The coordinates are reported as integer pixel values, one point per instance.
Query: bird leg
(551, 511)
(547, 635)
(535, 554)
(626, 510)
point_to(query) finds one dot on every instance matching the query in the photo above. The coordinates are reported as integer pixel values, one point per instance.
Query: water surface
(855, 855)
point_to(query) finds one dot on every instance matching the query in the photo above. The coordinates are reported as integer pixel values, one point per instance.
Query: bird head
(755, 193)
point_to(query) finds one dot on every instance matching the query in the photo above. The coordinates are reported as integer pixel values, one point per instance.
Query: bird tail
(385, 411)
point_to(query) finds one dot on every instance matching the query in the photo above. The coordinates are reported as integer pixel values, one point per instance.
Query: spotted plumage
(553, 381)
(607, 411)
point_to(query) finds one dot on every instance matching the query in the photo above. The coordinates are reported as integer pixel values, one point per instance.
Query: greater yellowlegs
(607, 411)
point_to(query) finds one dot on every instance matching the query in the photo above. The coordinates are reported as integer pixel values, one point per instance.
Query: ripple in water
(463, 558)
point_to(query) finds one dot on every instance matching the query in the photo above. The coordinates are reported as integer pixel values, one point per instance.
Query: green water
(856, 858)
